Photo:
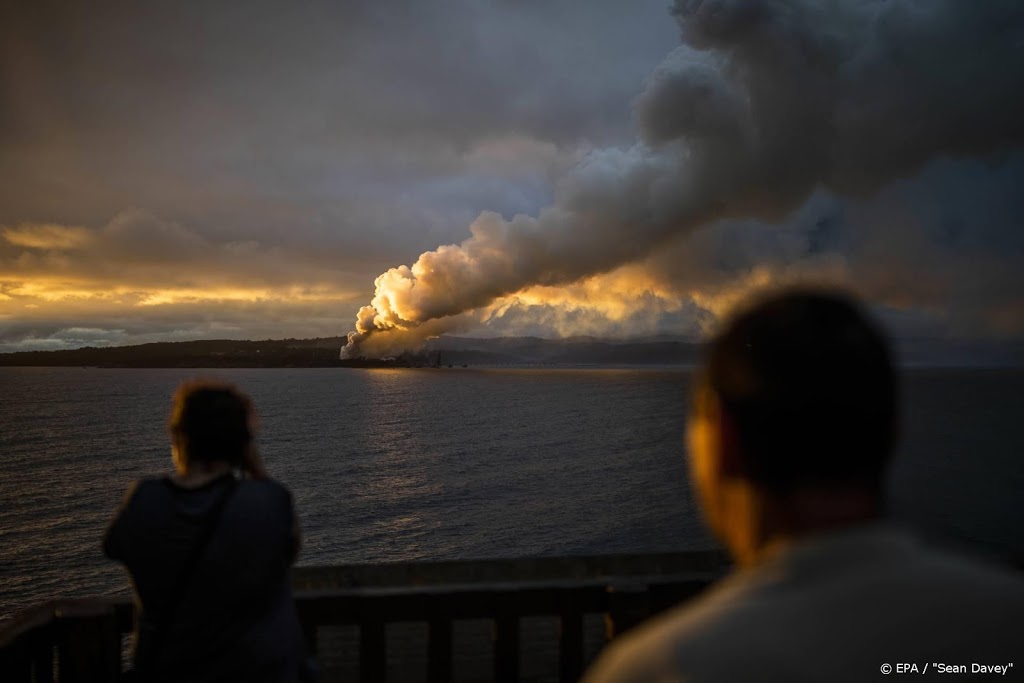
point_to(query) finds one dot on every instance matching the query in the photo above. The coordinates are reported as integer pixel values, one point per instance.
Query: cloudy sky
(178, 170)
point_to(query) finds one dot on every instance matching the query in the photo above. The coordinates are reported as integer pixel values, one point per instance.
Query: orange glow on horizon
(42, 291)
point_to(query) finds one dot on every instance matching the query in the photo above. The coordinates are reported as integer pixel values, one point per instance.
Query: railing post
(506, 642)
(663, 597)
(309, 632)
(439, 648)
(89, 647)
(72, 640)
(570, 647)
(628, 605)
(373, 656)
(16, 663)
(42, 662)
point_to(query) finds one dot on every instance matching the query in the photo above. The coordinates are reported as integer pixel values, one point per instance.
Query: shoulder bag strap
(188, 570)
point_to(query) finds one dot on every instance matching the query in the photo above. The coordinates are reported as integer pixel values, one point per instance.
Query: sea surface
(406, 464)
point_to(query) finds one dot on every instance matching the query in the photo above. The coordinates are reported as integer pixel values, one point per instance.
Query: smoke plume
(764, 103)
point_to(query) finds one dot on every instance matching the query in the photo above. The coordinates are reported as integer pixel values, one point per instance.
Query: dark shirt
(236, 618)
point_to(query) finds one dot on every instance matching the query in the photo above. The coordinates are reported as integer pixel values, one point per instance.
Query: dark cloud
(136, 249)
(233, 169)
(945, 248)
(238, 117)
(766, 102)
(277, 148)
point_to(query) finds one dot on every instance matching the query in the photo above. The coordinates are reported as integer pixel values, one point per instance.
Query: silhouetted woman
(209, 549)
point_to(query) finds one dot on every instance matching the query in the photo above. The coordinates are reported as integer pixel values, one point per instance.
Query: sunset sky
(175, 170)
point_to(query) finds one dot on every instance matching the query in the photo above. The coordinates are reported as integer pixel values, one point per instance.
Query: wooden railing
(84, 640)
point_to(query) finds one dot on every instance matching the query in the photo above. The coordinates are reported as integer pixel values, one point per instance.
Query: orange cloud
(231, 294)
(47, 236)
(615, 295)
(55, 290)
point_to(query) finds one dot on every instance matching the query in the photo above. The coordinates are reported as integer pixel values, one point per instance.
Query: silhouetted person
(210, 552)
(794, 419)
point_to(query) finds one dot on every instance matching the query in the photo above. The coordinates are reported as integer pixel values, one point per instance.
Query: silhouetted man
(793, 421)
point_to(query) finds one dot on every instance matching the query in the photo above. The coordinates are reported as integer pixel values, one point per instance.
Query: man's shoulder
(823, 605)
(971, 573)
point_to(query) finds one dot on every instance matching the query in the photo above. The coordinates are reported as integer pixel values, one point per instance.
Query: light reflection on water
(401, 464)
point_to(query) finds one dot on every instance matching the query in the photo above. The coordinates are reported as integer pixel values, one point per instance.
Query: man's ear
(730, 461)
(178, 452)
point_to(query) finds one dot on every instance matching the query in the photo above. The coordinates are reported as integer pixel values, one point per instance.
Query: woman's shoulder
(166, 490)
(146, 486)
(265, 489)
(265, 484)
(142, 499)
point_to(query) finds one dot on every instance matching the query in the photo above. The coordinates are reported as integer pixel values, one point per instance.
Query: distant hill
(213, 353)
(569, 351)
(457, 351)
(323, 352)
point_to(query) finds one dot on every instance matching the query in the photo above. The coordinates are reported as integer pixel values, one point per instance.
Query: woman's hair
(212, 421)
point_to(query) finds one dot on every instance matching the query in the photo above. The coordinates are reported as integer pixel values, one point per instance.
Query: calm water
(390, 465)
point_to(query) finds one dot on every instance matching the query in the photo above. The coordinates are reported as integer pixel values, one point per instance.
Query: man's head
(797, 395)
(210, 422)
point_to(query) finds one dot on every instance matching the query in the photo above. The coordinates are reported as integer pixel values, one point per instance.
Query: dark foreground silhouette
(792, 426)
(209, 552)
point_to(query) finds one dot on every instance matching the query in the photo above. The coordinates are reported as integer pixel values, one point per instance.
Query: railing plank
(463, 602)
(87, 633)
